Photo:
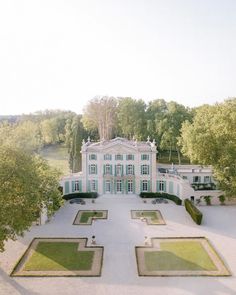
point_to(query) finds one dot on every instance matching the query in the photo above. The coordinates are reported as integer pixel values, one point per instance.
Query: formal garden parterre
(60, 257)
(151, 217)
(180, 256)
(86, 217)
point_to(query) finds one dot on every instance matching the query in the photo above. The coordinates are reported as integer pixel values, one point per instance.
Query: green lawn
(58, 256)
(86, 215)
(183, 255)
(57, 157)
(150, 214)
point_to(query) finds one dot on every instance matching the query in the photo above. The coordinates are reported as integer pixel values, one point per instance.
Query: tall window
(92, 169)
(207, 179)
(107, 157)
(119, 157)
(108, 169)
(130, 170)
(144, 157)
(145, 169)
(144, 185)
(162, 186)
(77, 186)
(196, 179)
(130, 186)
(93, 185)
(118, 170)
(118, 186)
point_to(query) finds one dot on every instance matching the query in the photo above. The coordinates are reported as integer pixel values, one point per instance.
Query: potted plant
(207, 200)
(222, 199)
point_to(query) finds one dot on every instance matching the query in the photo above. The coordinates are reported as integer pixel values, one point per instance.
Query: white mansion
(121, 166)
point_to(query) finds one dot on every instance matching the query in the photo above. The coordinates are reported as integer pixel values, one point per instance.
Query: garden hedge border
(91, 195)
(173, 198)
(193, 211)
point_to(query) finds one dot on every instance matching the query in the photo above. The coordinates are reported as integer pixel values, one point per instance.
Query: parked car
(77, 201)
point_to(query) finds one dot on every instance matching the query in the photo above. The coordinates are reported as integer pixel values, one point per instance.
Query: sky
(58, 54)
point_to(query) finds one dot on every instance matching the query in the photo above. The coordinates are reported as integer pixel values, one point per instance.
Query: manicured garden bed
(60, 257)
(180, 257)
(86, 217)
(152, 217)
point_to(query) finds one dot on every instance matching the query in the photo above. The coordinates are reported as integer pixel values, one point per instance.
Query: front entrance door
(108, 186)
(118, 186)
(130, 186)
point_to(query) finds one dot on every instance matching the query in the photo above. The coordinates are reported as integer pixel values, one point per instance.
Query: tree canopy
(27, 184)
(211, 140)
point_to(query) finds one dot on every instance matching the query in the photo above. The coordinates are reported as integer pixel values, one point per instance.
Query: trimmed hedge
(173, 198)
(193, 211)
(91, 195)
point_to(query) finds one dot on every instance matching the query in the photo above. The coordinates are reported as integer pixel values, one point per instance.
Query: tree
(211, 140)
(21, 135)
(100, 114)
(170, 125)
(78, 133)
(132, 118)
(26, 184)
(164, 123)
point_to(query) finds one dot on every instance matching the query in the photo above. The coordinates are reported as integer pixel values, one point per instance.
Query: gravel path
(119, 235)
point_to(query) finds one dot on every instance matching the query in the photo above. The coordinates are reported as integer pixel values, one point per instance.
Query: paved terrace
(119, 234)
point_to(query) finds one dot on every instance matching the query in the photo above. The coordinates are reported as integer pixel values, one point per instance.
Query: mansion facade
(121, 166)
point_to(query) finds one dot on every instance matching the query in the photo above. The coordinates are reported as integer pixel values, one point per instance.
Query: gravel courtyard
(119, 234)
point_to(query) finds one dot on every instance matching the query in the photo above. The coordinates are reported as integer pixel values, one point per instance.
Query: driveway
(119, 234)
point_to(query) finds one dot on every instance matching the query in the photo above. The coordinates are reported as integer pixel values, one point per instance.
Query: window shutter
(96, 169)
(104, 186)
(115, 170)
(134, 188)
(104, 169)
(80, 185)
(115, 186)
(149, 187)
(122, 170)
(73, 186)
(126, 169)
(96, 184)
(112, 186)
(148, 169)
(141, 170)
(158, 185)
(89, 169)
(126, 188)
(133, 169)
(111, 169)
(141, 186)
(122, 186)
(164, 184)
(67, 188)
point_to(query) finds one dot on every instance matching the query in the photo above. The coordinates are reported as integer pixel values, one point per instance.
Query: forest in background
(204, 135)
